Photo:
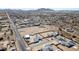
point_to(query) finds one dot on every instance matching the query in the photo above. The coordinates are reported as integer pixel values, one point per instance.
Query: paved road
(20, 41)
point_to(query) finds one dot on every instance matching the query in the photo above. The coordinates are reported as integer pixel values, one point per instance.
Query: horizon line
(40, 8)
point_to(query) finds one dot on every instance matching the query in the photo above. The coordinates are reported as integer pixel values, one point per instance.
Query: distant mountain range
(40, 10)
(44, 10)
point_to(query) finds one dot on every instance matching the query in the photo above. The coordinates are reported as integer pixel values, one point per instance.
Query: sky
(34, 4)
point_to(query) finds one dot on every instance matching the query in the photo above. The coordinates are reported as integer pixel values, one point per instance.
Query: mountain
(42, 10)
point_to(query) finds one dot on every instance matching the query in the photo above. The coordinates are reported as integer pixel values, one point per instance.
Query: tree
(0, 27)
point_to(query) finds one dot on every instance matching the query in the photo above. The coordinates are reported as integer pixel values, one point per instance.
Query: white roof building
(27, 37)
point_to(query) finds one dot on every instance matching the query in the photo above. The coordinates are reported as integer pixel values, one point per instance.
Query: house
(70, 43)
(27, 37)
(0, 17)
(37, 38)
(47, 47)
(55, 34)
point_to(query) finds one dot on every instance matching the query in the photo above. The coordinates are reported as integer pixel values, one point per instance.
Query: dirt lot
(37, 29)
